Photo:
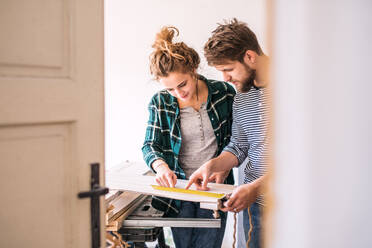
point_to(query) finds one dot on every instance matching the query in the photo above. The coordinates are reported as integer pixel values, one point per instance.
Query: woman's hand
(165, 177)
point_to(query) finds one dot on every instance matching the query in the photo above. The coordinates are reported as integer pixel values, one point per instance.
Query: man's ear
(250, 57)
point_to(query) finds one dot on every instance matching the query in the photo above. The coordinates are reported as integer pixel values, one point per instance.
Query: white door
(51, 120)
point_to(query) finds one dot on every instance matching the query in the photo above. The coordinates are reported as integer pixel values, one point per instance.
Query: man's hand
(165, 176)
(218, 177)
(200, 176)
(241, 198)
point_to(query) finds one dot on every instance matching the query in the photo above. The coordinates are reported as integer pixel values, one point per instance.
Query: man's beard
(247, 84)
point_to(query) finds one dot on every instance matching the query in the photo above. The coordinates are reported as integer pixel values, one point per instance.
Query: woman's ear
(195, 74)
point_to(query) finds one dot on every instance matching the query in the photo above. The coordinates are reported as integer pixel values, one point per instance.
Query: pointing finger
(191, 181)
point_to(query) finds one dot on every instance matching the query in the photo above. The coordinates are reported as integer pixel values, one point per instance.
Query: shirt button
(260, 117)
(260, 104)
(218, 134)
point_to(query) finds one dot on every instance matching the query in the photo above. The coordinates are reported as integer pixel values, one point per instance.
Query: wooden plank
(127, 169)
(122, 203)
(109, 213)
(115, 225)
(142, 184)
(111, 195)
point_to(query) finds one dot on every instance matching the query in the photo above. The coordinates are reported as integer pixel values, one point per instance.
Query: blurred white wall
(323, 119)
(130, 28)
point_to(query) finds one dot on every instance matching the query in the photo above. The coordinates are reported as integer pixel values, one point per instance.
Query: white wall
(323, 119)
(130, 28)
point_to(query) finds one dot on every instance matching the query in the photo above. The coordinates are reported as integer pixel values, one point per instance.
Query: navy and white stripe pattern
(249, 132)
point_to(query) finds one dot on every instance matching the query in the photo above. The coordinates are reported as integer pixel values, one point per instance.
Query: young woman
(189, 123)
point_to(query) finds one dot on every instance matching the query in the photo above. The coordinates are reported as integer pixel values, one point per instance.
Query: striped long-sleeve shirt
(249, 132)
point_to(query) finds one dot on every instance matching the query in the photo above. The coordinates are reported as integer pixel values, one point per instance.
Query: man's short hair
(230, 41)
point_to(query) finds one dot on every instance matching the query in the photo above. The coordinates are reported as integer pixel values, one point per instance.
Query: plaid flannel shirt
(163, 133)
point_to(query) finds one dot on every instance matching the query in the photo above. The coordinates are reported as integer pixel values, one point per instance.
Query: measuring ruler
(189, 191)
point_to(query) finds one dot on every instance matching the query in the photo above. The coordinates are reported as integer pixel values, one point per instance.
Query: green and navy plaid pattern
(163, 133)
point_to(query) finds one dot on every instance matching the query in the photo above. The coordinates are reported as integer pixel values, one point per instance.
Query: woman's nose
(178, 92)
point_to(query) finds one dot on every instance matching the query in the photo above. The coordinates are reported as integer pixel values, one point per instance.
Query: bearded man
(233, 49)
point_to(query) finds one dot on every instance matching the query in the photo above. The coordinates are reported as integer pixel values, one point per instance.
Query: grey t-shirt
(198, 143)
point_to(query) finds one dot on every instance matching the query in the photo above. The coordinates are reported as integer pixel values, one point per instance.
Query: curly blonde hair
(170, 57)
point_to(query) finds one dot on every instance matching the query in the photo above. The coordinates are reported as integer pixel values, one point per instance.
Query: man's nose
(226, 77)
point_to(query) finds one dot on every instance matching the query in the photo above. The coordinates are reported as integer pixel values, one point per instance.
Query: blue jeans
(256, 214)
(187, 237)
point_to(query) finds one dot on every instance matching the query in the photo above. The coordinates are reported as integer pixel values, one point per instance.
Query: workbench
(146, 224)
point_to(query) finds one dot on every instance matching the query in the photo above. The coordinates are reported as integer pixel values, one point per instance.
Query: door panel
(51, 120)
(36, 37)
(36, 164)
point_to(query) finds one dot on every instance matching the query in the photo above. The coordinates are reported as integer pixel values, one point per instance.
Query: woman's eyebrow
(181, 83)
(177, 85)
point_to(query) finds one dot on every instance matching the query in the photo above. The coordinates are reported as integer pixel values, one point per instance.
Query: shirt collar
(211, 88)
